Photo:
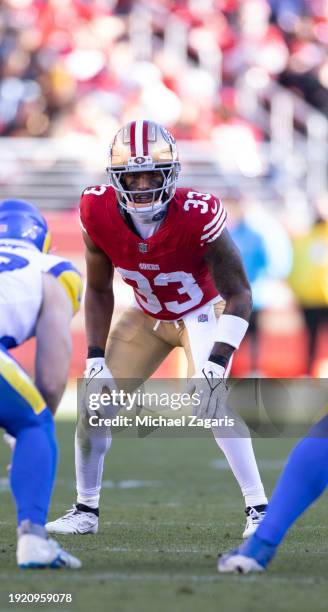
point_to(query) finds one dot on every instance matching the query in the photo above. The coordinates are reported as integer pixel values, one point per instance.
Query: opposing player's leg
(303, 480)
(24, 415)
(134, 351)
(197, 340)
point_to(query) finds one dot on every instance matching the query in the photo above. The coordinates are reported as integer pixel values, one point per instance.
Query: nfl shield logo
(143, 247)
(203, 318)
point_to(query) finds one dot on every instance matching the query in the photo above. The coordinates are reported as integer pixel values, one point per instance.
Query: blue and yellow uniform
(24, 240)
(303, 480)
(25, 416)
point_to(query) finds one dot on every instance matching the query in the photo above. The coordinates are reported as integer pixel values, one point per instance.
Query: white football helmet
(143, 146)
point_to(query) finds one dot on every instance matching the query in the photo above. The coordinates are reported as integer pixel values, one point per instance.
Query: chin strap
(148, 214)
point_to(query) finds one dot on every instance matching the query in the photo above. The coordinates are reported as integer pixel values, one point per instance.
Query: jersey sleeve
(85, 211)
(68, 276)
(91, 200)
(213, 221)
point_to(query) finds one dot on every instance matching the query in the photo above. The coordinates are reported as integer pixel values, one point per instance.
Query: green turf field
(159, 538)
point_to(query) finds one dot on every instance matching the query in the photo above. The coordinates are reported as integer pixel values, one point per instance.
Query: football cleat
(74, 522)
(34, 552)
(255, 515)
(235, 562)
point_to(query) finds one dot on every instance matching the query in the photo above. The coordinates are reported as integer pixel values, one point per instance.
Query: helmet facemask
(130, 199)
(142, 147)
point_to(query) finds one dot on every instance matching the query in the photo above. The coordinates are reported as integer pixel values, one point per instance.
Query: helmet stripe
(145, 138)
(139, 131)
(46, 243)
(133, 139)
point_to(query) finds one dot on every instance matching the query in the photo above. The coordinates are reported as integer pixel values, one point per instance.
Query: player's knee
(87, 442)
(38, 436)
(45, 422)
(27, 418)
(312, 451)
(49, 427)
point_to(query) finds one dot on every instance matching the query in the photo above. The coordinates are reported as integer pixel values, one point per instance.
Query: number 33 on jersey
(167, 271)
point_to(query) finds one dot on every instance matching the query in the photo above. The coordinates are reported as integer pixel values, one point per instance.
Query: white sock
(240, 456)
(89, 463)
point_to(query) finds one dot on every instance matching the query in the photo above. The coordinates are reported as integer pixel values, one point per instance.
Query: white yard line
(263, 464)
(166, 523)
(4, 484)
(159, 550)
(130, 484)
(79, 577)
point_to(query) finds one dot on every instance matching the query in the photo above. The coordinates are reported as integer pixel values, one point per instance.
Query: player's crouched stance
(170, 244)
(39, 293)
(303, 480)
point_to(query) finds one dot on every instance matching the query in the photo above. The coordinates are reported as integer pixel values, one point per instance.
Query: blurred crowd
(288, 273)
(86, 66)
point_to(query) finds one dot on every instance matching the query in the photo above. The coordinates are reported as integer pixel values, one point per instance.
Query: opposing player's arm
(224, 262)
(99, 297)
(53, 341)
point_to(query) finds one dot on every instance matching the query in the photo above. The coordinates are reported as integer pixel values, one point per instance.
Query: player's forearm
(52, 372)
(230, 279)
(99, 306)
(232, 284)
(237, 305)
(240, 304)
(53, 342)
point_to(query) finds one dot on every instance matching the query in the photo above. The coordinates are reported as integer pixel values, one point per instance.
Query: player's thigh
(21, 404)
(133, 350)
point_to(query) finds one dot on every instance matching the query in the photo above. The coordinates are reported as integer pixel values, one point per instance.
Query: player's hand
(95, 375)
(98, 380)
(210, 384)
(96, 368)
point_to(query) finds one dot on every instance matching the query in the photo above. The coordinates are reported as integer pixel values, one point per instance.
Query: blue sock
(303, 480)
(33, 470)
(258, 549)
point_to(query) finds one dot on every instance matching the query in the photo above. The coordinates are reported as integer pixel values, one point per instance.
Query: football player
(303, 480)
(171, 245)
(39, 293)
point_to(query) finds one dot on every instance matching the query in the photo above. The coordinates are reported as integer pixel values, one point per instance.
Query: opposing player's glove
(210, 384)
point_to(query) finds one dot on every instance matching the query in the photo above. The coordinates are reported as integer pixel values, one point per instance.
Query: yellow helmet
(143, 146)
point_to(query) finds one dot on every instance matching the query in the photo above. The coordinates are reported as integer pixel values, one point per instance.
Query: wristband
(95, 351)
(231, 330)
(219, 360)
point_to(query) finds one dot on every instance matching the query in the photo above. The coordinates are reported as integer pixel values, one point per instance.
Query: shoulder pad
(68, 276)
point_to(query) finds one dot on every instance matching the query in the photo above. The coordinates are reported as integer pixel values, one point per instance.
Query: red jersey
(167, 271)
